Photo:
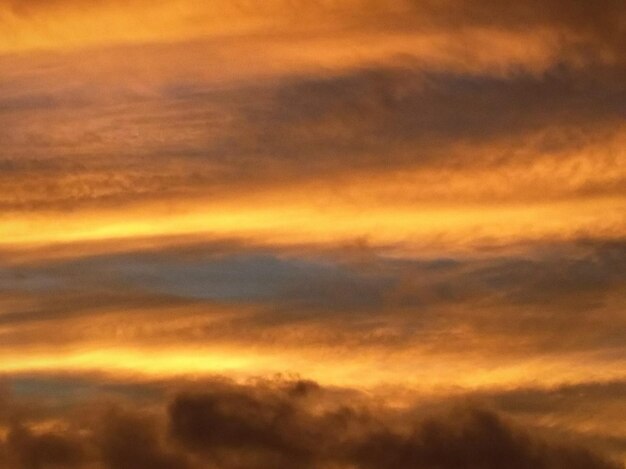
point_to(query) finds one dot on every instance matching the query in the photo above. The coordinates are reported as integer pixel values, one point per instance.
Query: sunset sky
(312, 234)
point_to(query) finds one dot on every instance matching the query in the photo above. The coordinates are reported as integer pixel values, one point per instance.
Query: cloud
(47, 450)
(480, 440)
(426, 194)
(131, 441)
(211, 293)
(597, 23)
(288, 423)
(562, 398)
(185, 141)
(279, 428)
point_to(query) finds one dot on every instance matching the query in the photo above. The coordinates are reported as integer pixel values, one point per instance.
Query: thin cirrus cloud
(329, 234)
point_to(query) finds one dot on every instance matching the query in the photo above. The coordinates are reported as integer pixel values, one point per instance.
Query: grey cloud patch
(541, 274)
(399, 116)
(529, 297)
(588, 272)
(254, 276)
(247, 278)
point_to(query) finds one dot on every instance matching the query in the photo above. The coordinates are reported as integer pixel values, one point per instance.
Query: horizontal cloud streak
(502, 311)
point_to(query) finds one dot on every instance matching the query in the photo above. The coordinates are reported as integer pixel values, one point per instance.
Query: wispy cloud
(413, 204)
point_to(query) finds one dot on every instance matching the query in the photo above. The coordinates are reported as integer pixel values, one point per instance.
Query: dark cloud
(589, 412)
(131, 441)
(480, 440)
(275, 429)
(240, 427)
(378, 114)
(42, 451)
(287, 424)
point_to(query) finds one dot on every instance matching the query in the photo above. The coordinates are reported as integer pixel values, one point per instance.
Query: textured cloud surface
(279, 423)
(315, 234)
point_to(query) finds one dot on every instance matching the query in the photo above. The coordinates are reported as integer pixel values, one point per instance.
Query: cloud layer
(293, 424)
(417, 205)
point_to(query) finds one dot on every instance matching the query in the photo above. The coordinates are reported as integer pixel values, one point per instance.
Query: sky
(322, 234)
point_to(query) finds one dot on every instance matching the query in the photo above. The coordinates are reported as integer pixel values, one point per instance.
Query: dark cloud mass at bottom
(220, 424)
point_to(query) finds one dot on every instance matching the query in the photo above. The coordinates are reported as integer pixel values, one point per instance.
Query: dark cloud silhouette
(43, 451)
(223, 426)
(220, 424)
(479, 440)
(130, 441)
(247, 427)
